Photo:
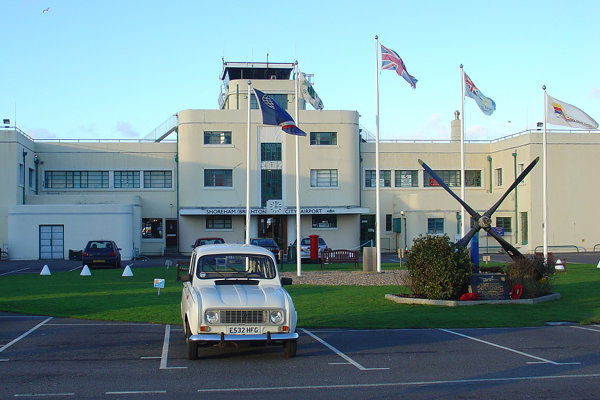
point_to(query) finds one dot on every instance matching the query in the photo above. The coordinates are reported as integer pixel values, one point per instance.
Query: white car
(233, 293)
(305, 248)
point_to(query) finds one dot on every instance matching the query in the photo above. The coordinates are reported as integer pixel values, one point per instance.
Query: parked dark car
(101, 252)
(207, 240)
(269, 244)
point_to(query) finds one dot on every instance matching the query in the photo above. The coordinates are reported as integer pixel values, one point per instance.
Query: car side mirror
(184, 277)
(286, 281)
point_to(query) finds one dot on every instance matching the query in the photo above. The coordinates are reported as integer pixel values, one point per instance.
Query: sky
(74, 69)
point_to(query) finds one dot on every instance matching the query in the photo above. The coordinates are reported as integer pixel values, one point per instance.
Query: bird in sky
(46, 10)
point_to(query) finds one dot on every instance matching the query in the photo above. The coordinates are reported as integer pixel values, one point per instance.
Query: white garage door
(52, 242)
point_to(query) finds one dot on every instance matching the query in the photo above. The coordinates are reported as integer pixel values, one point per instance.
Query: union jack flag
(391, 60)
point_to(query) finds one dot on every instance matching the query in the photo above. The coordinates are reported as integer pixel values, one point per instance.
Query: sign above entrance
(272, 211)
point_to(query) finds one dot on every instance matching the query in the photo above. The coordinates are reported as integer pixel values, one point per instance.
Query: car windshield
(264, 242)
(99, 245)
(236, 266)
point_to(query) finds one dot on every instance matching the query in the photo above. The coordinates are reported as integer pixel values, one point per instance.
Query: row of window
(316, 138)
(410, 178)
(100, 179)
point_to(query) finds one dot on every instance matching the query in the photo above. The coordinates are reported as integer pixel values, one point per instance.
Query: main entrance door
(275, 227)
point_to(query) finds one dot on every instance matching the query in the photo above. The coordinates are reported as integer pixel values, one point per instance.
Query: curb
(455, 303)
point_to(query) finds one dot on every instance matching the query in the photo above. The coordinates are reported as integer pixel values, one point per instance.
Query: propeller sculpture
(484, 221)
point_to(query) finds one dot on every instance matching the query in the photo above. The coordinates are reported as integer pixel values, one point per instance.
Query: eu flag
(273, 114)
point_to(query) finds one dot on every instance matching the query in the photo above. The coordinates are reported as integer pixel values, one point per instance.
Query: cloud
(437, 127)
(126, 129)
(595, 93)
(41, 133)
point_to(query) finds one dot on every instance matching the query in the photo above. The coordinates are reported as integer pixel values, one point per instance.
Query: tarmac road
(64, 358)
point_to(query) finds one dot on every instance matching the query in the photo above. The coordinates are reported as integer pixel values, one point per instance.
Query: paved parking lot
(64, 358)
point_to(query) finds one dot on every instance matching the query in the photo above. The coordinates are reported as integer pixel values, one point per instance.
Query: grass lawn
(106, 295)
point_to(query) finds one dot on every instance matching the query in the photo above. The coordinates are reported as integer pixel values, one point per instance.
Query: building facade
(157, 195)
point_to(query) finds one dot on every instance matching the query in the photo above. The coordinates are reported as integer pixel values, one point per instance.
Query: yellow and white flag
(561, 113)
(308, 93)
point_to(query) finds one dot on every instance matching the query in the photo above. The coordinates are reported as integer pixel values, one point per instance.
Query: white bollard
(45, 270)
(127, 271)
(86, 271)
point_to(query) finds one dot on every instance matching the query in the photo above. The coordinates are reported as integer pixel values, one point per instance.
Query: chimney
(455, 127)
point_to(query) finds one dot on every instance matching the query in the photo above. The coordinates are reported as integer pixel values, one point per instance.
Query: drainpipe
(516, 224)
(24, 175)
(237, 97)
(491, 175)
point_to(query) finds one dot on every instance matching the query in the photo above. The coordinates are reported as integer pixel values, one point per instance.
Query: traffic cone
(45, 270)
(85, 271)
(558, 265)
(127, 271)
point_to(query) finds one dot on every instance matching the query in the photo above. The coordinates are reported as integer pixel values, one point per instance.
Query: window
(504, 222)
(158, 179)
(32, 178)
(385, 178)
(406, 178)
(323, 138)
(498, 176)
(281, 99)
(324, 221)
(435, 226)
(126, 179)
(388, 222)
(76, 179)
(152, 228)
(218, 178)
(270, 151)
(472, 178)
(323, 177)
(217, 137)
(21, 174)
(452, 178)
(218, 222)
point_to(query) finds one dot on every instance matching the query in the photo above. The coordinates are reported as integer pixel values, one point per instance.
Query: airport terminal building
(188, 180)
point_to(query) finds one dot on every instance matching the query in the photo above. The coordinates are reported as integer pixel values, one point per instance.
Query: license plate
(243, 330)
(98, 261)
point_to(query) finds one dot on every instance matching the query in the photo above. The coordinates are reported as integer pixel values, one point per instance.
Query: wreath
(516, 292)
(469, 296)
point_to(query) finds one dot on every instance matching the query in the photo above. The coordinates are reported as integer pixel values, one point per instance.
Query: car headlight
(276, 317)
(212, 317)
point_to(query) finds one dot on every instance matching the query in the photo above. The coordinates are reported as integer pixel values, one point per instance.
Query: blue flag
(273, 114)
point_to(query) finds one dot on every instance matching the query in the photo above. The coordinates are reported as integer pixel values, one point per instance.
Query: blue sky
(117, 69)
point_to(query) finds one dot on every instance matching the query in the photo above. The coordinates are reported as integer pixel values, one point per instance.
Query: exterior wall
(81, 224)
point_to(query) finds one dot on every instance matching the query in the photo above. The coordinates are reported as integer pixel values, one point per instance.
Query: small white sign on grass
(159, 283)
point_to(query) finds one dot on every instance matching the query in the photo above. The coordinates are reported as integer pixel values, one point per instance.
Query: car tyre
(192, 347)
(289, 348)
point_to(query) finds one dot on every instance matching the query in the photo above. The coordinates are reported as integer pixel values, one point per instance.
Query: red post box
(314, 247)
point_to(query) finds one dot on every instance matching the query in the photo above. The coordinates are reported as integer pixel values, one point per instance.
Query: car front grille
(242, 316)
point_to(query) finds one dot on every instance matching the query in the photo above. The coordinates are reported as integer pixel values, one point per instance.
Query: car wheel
(192, 347)
(289, 348)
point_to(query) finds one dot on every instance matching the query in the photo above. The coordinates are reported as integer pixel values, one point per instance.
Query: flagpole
(298, 238)
(545, 176)
(377, 212)
(248, 170)
(462, 151)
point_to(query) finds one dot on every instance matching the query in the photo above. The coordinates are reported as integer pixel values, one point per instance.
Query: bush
(532, 273)
(437, 269)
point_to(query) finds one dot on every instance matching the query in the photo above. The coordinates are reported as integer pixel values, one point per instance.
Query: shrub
(532, 273)
(437, 269)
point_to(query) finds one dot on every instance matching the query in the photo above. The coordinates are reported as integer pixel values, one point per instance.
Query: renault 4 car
(232, 293)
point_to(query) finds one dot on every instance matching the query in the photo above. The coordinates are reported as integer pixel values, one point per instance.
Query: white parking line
(6, 346)
(541, 360)
(586, 329)
(12, 272)
(400, 384)
(44, 394)
(165, 350)
(339, 353)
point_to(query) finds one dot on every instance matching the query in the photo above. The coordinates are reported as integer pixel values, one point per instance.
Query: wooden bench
(339, 256)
